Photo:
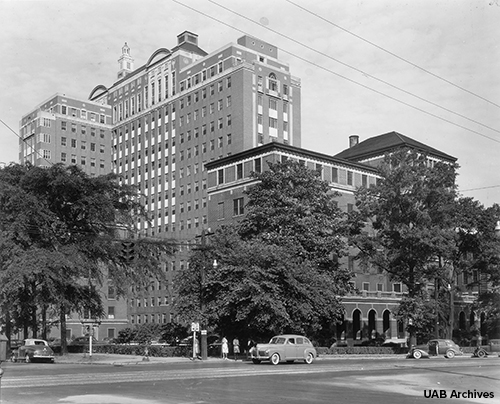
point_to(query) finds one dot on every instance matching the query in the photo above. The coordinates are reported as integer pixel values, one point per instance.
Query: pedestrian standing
(225, 348)
(236, 347)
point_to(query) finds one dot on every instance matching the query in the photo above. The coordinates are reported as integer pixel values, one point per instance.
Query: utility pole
(203, 332)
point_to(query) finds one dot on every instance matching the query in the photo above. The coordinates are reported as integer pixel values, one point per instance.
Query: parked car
(284, 348)
(435, 347)
(84, 340)
(56, 342)
(32, 350)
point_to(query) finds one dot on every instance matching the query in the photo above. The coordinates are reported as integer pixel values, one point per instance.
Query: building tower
(125, 62)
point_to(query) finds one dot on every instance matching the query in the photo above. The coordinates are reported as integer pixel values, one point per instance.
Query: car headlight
(266, 351)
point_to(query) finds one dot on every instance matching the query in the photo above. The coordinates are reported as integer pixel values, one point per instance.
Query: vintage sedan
(435, 347)
(284, 348)
(32, 350)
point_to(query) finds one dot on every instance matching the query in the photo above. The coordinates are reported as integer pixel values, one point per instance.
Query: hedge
(361, 350)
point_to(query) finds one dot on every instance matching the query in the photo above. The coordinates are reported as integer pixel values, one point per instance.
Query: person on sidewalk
(236, 347)
(225, 348)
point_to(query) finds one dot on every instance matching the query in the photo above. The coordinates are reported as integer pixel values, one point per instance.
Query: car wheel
(309, 358)
(275, 359)
(450, 354)
(417, 354)
(27, 358)
(256, 361)
(481, 354)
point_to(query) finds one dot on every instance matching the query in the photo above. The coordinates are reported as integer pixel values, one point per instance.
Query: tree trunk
(62, 321)
(44, 322)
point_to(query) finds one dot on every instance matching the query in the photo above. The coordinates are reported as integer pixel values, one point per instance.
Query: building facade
(182, 109)
(71, 131)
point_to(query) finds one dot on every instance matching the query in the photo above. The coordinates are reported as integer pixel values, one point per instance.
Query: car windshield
(277, 340)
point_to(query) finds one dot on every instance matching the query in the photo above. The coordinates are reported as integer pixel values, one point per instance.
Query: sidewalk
(127, 360)
(117, 360)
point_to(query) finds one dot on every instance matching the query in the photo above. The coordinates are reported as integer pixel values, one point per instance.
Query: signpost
(90, 324)
(195, 327)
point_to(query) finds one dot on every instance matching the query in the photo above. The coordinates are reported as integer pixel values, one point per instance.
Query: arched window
(273, 83)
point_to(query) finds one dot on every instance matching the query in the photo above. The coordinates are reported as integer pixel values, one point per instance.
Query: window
(228, 119)
(396, 287)
(63, 141)
(63, 157)
(73, 143)
(238, 207)
(257, 165)
(111, 312)
(73, 127)
(364, 180)
(228, 82)
(64, 125)
(335, 174)
(220, 176)
(220, 210)
(273, 84)
(366, 286)
(349, 178)
(273, 104)
(239, 171)
(273, 123)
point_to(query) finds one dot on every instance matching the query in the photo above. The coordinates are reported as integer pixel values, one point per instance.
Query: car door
(301, 347)
(290, 349)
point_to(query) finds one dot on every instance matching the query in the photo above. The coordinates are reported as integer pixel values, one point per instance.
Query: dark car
(284, 348)
(32, 350)
(435, 347)
(84, 340)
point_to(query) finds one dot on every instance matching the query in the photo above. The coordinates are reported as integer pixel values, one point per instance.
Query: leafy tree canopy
(277, 270)
(61, 226)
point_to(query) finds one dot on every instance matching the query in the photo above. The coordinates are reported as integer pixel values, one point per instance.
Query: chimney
(353, 140)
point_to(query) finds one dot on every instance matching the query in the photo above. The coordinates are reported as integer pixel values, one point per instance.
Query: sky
(425, 68)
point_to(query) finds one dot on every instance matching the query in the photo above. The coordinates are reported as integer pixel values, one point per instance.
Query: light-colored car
(435, 347)
(33, 349)
(284, 348)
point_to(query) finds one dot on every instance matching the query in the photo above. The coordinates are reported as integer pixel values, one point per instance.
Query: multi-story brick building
(184, 108)
(67, 130)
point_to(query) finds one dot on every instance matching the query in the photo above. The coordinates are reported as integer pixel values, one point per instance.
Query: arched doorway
(386, 323)
(356, 324)
(372, 324)
(462, 321)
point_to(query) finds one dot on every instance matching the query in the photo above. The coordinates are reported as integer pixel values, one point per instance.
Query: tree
(63, 227)
(404, 223)
(277, 270)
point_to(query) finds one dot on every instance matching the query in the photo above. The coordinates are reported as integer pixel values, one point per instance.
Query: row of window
(83, 129)
(159, 318)
(83, 160)
(82, 114)
(83, 144)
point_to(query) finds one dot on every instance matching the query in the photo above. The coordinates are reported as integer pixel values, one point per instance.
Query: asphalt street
(328, 380)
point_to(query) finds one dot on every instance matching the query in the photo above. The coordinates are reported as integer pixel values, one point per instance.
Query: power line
(346, 78)
(356, 69)
(478, 189)
(24, 140)
(392, 54)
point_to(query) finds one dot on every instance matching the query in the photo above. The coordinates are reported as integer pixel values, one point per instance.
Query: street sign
(195, 327)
